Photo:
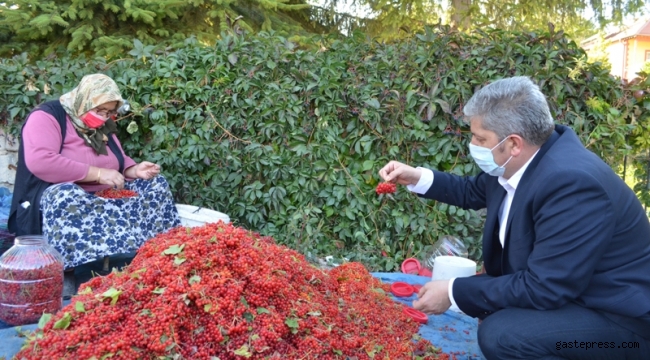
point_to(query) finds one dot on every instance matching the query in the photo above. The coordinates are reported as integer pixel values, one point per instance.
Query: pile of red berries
(28, 290)
(386, 188)
(111, 193)
(222, 292)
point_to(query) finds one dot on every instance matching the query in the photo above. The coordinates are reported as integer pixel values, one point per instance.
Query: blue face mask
(485, 159)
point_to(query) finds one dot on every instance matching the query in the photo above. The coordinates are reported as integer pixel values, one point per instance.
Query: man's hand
(433, 298)
(396, 172)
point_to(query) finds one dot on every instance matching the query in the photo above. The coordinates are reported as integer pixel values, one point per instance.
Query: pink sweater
(42, 141)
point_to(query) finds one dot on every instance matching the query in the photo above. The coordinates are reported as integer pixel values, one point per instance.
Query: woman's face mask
(92, 119)
(485, 159)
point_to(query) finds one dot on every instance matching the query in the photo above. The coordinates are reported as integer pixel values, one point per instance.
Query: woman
(68, 152)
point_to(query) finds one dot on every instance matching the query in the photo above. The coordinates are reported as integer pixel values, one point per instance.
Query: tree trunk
(460, 18)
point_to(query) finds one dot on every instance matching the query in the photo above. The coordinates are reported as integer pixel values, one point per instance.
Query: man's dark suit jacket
(575, 233)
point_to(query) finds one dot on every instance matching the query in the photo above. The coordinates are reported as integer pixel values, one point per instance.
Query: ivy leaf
(232, 58)
(136, 274)
(45, 318)
(87, 290)
(248, 316)
(367, 165)
(194, 279)
(444, 106)
(373, 103)
(64, 322)
(292, 323)
(132, 128)
(112, 293)
(79, 307)
(174, 249)
(243, 351)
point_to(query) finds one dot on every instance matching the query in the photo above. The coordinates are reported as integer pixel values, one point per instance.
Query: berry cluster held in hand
(111, 193)
(222, 292)
(386, 188)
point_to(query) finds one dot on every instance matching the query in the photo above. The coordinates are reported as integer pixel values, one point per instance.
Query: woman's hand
(110, 177)
(144, 170)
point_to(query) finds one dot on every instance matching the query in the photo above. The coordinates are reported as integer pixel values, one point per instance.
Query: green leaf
(292, 323)
(373, 103)
(79, 306)
(45, 318)
(367, 165)
(136, 274)
(194, 279)
(159, 290)
(86, 290)
(243, 351)
(232, 58)
(207, 307)
(111, 293)
(174, 249)
(261, 310)
(64, 322)
(178, 261)
(248, 316)
(132, 128)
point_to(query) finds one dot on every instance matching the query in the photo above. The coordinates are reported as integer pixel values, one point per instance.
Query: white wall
(8, 160)
(617, 58)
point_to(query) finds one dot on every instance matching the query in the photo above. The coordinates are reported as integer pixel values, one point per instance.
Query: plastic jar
(31, 281)
(446, 246)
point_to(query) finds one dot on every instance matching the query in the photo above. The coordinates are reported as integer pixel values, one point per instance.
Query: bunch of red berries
(222, 292)
(112, 193)
(386, 188)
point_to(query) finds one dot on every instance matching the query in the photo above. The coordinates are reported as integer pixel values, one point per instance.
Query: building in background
(627, 48)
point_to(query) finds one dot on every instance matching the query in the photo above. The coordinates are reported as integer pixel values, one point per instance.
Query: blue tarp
(454, 332)
(5, 206)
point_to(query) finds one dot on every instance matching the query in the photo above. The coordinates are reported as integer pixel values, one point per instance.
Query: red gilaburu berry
(386, 188)
(111, 193)
(219, 291)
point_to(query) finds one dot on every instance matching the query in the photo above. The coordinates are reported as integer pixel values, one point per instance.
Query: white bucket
(192, 216)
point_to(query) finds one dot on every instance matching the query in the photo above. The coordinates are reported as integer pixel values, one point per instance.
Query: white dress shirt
(426, 180)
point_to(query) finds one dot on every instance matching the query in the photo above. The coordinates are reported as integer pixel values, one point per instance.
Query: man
(566, 244)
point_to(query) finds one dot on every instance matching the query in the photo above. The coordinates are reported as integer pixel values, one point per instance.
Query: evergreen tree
(108, 27)
(391, 19)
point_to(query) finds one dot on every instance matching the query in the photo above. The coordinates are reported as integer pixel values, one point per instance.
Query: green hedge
(287, 139)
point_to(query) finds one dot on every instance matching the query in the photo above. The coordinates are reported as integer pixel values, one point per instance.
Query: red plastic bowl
(416, 288)
(411, 266)
(401, 289)
(416, 315)
(425, 272)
